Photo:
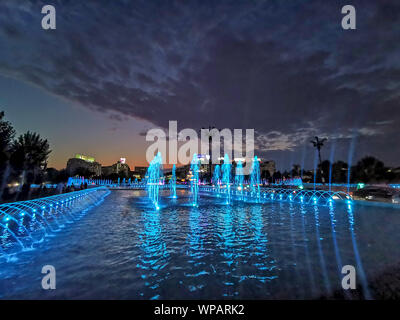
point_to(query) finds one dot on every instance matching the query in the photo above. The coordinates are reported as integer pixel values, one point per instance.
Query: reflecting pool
(126, 249)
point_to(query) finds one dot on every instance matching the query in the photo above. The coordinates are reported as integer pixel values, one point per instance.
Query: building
(182, 172)
(120, 168)
(83, 166)
(141, 171)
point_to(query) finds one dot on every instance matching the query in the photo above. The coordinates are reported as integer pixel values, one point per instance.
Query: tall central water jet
(154, 175)
(255, 179)
(217, 178)
(226, 178)
(239, 178)
(194, 181)
(172, 183)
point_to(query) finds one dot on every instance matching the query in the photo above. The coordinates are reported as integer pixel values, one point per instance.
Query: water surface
(124, 249)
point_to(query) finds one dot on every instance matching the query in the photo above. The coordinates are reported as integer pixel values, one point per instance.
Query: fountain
(222, 181)
(239, 178)
(194, 181)
(26, 223)
(154, 175)
(226, 178)
(172, 183)
(255, 179)
(217, 178)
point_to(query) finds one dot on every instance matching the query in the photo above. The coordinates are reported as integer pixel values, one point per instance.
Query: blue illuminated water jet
(154, 176)
(217, 178)
(194, 181)
(255, 179)
(26, 223)
(239, 179)
(172, 183)
(226, 178)
(360, 269)
(350, 160)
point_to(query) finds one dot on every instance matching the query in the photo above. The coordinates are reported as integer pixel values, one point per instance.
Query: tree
(29, 156)
(277, 176)
(266, 175)
(51, 175)
(62, 176)
(324, 167)
(318, 144)
(7, 133)
(286, 174)
(339, 172)
(296, 171)
(83, 172)
(368, 169)
(54, 176)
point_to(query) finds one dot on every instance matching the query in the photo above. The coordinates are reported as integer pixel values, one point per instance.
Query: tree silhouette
(369, 169)
(29, 156)
(296, 171)
(318, 144)
(7, 133)
(339, 171)
(324, 168)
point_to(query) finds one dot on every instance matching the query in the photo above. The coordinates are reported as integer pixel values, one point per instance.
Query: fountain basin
(125, 249)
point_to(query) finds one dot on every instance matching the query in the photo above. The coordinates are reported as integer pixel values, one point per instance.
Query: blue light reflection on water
(125, 249)
(320, 251)
(310, 271)
(359, 265)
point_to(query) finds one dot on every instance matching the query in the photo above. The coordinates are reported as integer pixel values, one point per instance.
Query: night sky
(114, 69)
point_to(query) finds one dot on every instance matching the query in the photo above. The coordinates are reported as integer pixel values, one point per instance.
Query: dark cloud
(284, 68)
